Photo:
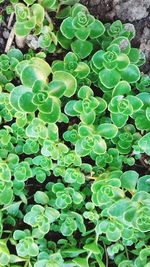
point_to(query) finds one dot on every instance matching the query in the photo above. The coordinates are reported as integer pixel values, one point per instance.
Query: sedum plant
(28, 18)
(40, 219)
(74, 142)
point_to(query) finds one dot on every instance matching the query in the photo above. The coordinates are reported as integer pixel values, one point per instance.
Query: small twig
(143, 162)
(20, 41)
(10, 39)
(48, 18)
(10, 20)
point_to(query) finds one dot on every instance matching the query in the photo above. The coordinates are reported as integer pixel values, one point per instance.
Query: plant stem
(106, 254)
(48, 18)
(27, 262)
(127, 254)
(89, 255)
(99, 261)
(6, 207)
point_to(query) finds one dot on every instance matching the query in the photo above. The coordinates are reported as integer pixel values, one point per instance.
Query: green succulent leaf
(38, 12)
(98, 58)
(109, 78)
(119, 119)
(131, 73)
(129, 180)
(41, 198)
(74, 139)
(144, 143)
(93, 247)
(32, 73)
(68, 80)
(67, 28)
(107, 130)
(81, 262)
(134, 55)
(96, 29)
(82, 48)
(143, 183)
(135, 102)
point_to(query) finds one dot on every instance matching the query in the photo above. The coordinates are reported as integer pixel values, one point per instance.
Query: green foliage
(28, 18)
(47, 39)
(74, 142)
(6, 192)
(52, 260)
(26, 245)
(144, 143)
(4, 253)
(40, 219)
(81, 25)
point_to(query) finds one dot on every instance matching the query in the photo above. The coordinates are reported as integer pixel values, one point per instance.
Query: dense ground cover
(74, 139)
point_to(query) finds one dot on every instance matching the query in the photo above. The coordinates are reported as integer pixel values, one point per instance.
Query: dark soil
(3, 26)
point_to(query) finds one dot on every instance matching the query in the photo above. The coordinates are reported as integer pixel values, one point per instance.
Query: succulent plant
(74, 142)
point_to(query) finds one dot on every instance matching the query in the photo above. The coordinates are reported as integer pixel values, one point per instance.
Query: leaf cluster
(74, 142)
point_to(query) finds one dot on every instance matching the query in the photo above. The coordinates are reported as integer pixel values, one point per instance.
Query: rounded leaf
(134, 55)
(119, 119)
(129, 180)
(123, 43)
(15, 95)
(107, 130)
(25, 102)
(67, 28)
(97, 29)
(69, 108)
(41, 198)
(31, 74)
(122, 88)
(68, 80)
(82, 70)
(122, 61)
(53, 116)
(98, 59)
(82, 48)
(130, 74)
(144, 183)
(144, 143)
(109, 78)
(57, 88)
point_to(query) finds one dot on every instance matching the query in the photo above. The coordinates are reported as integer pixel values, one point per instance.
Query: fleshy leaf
(144, 143)
(109, 78)
(97, 29)
(107, 130)
(69, 81)
(67, 28)
(131, 73)
(82, 48)
(129, 180)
